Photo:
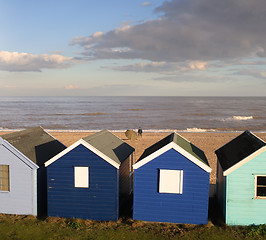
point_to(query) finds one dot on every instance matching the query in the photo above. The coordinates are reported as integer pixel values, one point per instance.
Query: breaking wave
(241, 118)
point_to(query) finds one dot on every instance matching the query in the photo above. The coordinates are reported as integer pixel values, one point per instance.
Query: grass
(28, 227)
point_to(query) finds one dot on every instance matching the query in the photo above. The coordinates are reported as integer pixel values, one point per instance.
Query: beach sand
(208, 142)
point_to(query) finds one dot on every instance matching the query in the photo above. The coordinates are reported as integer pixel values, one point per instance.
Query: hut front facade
(18, 181)
(241, 180)
(171, 183)
(87, 179)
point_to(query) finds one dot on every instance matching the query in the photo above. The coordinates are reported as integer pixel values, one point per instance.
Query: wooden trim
(174, 146)
(87, 145)
(244, 161)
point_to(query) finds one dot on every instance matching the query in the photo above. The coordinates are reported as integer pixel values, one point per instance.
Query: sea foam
(242, 118)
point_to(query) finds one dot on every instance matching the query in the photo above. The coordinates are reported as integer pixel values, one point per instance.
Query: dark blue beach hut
(22, 158)
(171, 183)
(87, 179)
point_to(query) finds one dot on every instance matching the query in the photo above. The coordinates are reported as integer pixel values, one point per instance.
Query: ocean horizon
(153, 114)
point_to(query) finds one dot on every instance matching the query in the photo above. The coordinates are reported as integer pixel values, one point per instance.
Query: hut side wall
(189, 207)
(242, 208)
(21, 199)
(220, 188)
(98, 202)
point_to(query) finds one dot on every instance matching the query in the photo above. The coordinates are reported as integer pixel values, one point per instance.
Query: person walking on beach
(140, 132)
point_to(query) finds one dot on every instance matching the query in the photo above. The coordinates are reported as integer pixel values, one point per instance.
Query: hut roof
(238, 149)
(35, 143)
(181, 142)
(110, 145)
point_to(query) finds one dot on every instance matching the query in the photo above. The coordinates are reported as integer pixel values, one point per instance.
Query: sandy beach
(208, 142)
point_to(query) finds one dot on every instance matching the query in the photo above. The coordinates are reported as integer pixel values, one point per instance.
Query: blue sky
(131, 48)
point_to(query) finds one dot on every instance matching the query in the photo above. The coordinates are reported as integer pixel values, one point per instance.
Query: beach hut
(18, 181)
(241, 180)
(87, 179)
(22, 157)
(171, 183)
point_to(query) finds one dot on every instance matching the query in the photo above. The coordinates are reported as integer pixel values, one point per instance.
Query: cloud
(144, 4)
(26, 62)
(187, 31)
(70, 87)
(162, 67)
(255, 73)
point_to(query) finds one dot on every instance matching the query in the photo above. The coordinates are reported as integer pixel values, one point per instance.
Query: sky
(133, 48)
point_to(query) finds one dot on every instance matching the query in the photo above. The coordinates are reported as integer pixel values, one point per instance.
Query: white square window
(171, 181)
(260, 186)
(81, 177)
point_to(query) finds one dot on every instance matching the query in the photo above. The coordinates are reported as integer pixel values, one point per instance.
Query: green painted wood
(242, 208)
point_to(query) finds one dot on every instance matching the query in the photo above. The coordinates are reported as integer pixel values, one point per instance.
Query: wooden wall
(22, 197)
(189, 207)
(98, 202)
(241, 206)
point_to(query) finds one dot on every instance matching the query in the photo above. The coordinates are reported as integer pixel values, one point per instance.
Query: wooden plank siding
(241, 206)
(189, 207)
(22, 196)
(98, 202)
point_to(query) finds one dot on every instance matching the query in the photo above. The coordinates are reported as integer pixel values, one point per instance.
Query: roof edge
(244, 161)
(87, 145)
(17, 153)
(174, 146)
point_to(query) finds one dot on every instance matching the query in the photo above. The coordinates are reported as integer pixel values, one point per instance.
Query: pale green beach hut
(241, 180)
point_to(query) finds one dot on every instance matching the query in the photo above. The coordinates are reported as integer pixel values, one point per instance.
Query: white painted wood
(171, 181)
(87, 145)
(81, 176)
(178, 149)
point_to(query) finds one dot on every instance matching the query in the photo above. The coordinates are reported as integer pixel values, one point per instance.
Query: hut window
(170, 181)
(4, 178)
(260, 186)
(81, 177)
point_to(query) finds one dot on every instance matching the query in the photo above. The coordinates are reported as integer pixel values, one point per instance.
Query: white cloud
(26, 62)
(70, 87)
(145, 4)
(197, 65)
(162, 67)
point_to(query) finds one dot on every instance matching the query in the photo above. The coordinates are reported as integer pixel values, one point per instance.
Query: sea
(152, 114)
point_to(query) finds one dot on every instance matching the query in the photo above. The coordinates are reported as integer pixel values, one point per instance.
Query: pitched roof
(110, 145)
(181, 145)
(104, 144)
(18, 154)
(35, 143)
(180, 141)
(238, 149)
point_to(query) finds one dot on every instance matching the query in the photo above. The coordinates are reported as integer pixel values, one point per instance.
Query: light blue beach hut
(18, 181)
(241, 180)
(22, 171)
(171, 183)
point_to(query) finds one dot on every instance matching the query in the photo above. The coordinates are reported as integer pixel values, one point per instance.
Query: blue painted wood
(242, 208)
(98, 202)
(189, 207)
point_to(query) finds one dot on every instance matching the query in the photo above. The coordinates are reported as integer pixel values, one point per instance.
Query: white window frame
(170, 181)
(81, 177)
(8, 180)
(256, 185)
